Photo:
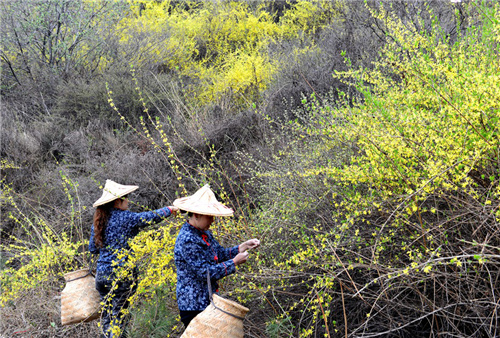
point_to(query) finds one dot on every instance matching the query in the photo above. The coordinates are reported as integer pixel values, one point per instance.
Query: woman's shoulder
(185, 236)
(120, 212)
(121, 215)
(187, 232)
(186, 229)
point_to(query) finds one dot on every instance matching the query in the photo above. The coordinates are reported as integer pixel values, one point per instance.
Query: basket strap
(88, 273)
(92, 264)
(212, 300)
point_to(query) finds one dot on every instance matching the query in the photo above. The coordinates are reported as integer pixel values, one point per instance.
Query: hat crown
(115, 188)
(205, 194)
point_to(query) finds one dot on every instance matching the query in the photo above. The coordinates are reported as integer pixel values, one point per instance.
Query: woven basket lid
(203, 202)
(113, 191)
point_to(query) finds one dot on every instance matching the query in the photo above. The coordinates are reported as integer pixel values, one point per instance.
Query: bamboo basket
(80, 301)
(214, 323)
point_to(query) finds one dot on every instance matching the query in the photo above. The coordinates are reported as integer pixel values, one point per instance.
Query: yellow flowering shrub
(38, 254)
(393, 185)
(427, 123)
(373, 201)
(221, 45)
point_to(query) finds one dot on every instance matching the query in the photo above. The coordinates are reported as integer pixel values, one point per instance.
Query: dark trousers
(114, 301)
(187, 316)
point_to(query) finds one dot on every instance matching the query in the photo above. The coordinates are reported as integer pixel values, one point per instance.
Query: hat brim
(210, 209)
(109, 197)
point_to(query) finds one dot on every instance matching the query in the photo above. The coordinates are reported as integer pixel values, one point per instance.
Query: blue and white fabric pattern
(197, 252)
(121, 227)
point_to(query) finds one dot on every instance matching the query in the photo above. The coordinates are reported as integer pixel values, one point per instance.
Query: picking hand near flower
(174, 210)
(243, 248)
(249, 245)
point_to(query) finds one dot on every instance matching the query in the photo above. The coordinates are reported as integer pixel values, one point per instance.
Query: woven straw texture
(113, 191)
(203, 202)
(214, 323)
(80, 301)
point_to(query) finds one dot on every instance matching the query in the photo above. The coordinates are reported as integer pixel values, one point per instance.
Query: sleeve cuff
(230, 267)
(165, 212)
(235, 251)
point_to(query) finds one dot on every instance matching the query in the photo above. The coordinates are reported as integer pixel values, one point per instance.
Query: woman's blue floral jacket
(122, 226)
(197, 252)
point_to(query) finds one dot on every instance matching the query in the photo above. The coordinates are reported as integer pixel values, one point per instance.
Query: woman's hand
(240, 258)
(248, 245)
(173, 210)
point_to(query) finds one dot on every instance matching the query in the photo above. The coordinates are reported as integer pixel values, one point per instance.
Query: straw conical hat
(203, 202)
(113, 191)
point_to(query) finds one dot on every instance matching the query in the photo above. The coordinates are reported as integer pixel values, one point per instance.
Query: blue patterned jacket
(122, 226)
(195, 252)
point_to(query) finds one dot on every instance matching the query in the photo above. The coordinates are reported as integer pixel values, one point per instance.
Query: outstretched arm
(155, 216)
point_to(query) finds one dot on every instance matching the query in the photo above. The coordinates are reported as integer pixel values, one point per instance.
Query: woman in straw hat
(113, 227)
(197, 251)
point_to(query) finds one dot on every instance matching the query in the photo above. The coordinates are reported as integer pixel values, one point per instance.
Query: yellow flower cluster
(222, 44)
(39, 253)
